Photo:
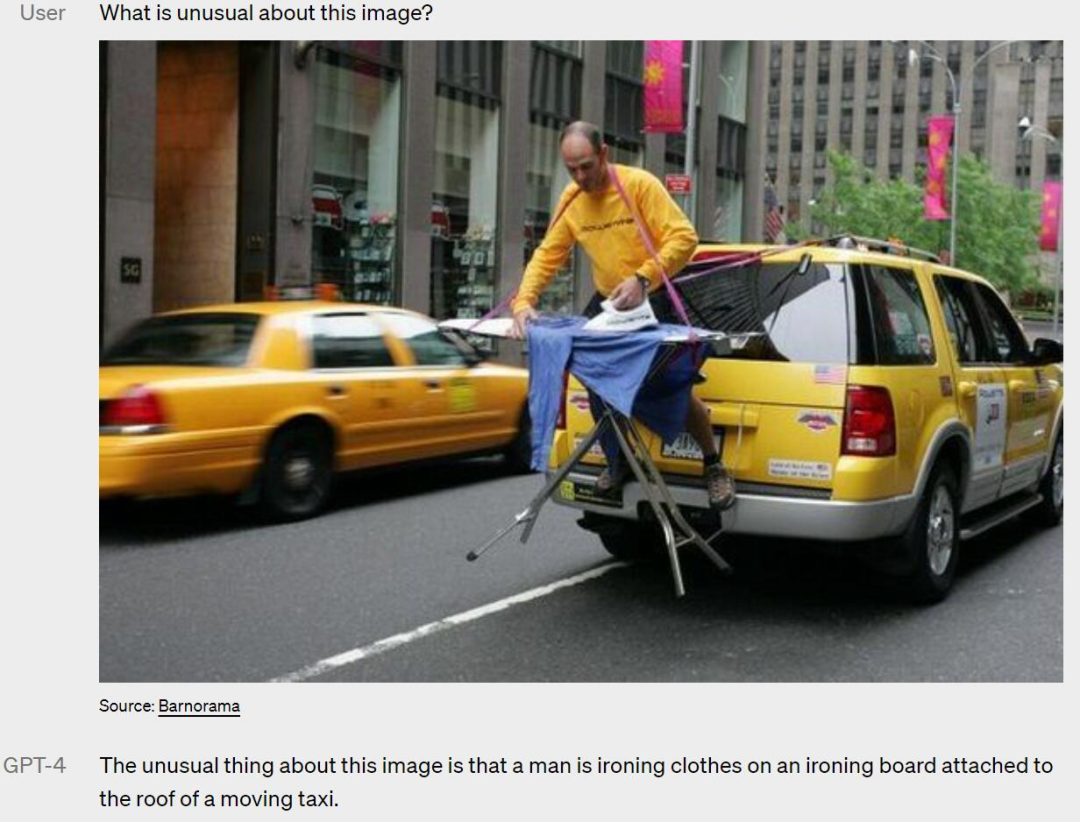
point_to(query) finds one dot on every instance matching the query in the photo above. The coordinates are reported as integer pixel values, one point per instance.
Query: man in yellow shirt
(592, 213)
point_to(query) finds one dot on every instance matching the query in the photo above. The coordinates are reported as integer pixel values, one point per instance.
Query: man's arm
(545, 263)
(673, 233)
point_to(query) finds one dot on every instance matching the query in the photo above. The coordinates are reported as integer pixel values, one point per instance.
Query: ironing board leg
(632, 460)
(527, 518)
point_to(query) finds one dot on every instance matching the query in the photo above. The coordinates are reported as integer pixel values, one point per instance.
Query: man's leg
(697, 423)
(719, 484)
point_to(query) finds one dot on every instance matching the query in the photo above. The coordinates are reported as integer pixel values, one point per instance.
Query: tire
(630, 541)
(297, 472)
(1049, 512)
(931, 543)
(518, 454)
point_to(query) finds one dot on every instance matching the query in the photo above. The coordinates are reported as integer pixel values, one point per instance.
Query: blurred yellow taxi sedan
(274, 398)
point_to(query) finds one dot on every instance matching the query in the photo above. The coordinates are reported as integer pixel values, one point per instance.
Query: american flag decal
(830, 374)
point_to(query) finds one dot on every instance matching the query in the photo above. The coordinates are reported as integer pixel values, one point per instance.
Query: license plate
(587, 492)
(685, 447)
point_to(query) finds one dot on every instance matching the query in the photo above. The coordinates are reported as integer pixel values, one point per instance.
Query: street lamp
(1029, 131)
(933, 54)
(913, 60)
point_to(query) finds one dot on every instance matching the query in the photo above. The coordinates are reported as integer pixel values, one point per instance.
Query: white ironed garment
(612, 319)
(501, 328)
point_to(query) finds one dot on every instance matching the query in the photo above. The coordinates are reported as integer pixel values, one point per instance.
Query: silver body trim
(774, 516)
(800, 517)
(131, 430)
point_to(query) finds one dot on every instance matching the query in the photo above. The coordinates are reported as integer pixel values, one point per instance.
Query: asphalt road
(199, 590)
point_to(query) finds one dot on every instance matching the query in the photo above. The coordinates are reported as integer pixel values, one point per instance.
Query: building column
(966, 81)
(593, 72)
(912, 122)
(655, 151)
(295, 167)
(858, 120)
(1002, 132)
(513, 162)
(757, 112)
(708, 138)
(257, 162)
(885, 102)
(783, 156)
(416, 181)
(809, 135)
(1040, 117)
(836, 102)
(129, 163)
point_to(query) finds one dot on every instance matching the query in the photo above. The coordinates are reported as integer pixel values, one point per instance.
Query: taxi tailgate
(779, 423)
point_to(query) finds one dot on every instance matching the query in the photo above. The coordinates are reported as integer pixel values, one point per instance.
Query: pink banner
(939, 134)
(663, 86)
(1051, 217)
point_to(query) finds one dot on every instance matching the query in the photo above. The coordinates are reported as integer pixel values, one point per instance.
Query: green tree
(997, 233)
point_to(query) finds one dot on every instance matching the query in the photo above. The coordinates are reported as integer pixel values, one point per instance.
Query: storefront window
(572, 47)
(734, 60)
(545, 180)
(727, 218)
(626, 154)
(463, 206)
(354, 187)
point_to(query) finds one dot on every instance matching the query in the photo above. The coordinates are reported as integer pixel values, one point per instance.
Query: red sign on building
(678, 183)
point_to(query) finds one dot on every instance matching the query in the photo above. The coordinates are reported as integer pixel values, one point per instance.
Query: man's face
(586, 166)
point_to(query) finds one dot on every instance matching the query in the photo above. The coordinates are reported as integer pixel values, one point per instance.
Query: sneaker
(721, 487)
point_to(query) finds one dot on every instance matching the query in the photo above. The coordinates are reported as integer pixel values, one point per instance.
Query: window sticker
(461, 394)
(990, 424)
(817, 420)
(798, 469)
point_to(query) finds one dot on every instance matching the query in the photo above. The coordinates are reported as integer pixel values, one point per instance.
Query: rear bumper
(766, 514)
(140, 466)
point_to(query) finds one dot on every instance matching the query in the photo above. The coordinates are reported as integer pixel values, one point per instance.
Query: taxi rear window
(186, 339)
(799, 317)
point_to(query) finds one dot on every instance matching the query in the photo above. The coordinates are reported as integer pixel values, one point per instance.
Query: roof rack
(881, 246)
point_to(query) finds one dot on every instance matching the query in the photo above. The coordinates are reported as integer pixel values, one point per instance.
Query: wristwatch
(645, 283)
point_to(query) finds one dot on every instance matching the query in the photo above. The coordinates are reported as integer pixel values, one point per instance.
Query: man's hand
(521, 319)
(630, 293)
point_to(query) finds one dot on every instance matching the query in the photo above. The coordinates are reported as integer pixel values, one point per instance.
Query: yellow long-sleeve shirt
(605, 229)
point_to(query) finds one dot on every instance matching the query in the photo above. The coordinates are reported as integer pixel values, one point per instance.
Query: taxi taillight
(138, 407)
(869, 422)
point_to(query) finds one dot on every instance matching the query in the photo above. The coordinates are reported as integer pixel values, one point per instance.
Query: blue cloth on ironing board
(612, 365)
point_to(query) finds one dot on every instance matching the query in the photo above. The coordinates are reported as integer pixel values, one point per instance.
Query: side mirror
(1047, 352)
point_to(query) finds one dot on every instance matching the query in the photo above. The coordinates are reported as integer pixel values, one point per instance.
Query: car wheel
(931, 543)
(630, 541)
(1052, 487)
(297, 472)
(518, 454)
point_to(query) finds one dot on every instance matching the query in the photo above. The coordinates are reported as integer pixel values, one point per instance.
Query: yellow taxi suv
(883, 399)
(271, 399)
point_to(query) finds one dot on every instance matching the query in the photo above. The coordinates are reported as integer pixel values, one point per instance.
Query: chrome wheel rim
(298, 472)
(940, 529)
(1058, 469)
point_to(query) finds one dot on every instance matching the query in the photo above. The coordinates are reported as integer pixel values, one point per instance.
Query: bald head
(585, 155)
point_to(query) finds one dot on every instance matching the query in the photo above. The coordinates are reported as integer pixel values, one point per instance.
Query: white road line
(396, 641)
